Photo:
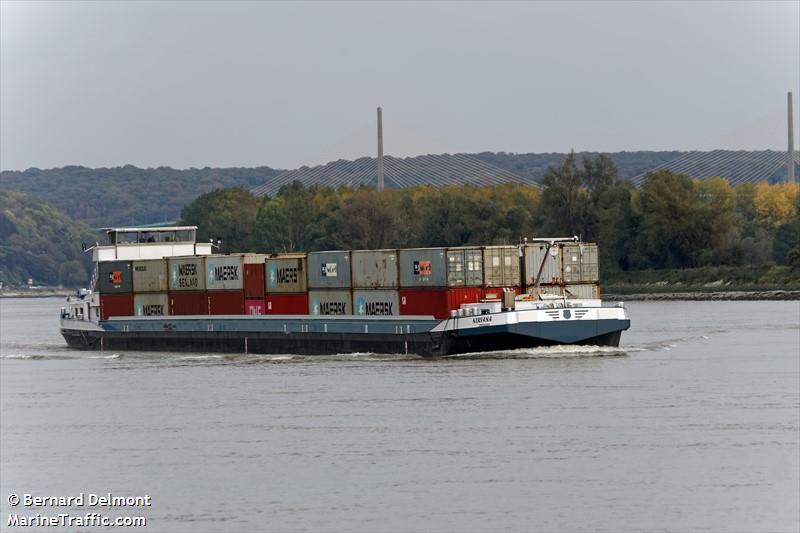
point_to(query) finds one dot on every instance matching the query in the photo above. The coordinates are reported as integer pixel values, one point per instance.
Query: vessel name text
(480, 319)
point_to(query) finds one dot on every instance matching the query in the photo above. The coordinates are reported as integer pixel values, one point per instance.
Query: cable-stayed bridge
(435, 170)
(737, 166)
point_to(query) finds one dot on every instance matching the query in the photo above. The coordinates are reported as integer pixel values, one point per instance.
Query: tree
(599, 173)
(616, 223)
(369, 220)
(224, 214)
(775, 204)
(671, 232)
(565, 209)
(716, 216)
(297, 219)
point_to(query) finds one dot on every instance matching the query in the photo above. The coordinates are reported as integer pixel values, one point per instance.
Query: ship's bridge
(149, 243)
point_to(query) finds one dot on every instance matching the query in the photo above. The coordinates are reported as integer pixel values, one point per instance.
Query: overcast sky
(287, 84)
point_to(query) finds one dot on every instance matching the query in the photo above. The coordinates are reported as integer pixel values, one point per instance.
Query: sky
(224, 84)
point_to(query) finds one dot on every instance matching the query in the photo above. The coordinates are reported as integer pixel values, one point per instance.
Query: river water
(692, 425)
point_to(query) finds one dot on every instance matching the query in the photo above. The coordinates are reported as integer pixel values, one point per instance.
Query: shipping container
(376, 302)
(255, 306)
(224, 273)
(501, 266)
(152, 304)
(225, 302)
(422, 267)
(286, 273)
(286, 304)
(374, 269)
(534, 255)
(590, 265)
(437, 302)
(254, 278)
(330, 302)
(188, 303)
(187, 273)
(115, 305)
(580, 263)
(114, 277)
(571, 257)
(329, 270)
(584, 291)
(464, 267)
(150, 275)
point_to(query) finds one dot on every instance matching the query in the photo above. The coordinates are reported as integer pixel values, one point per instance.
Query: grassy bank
(703, 280)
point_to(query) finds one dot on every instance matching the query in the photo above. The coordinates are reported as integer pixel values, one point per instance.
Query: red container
(254, 280)
(115, 305)
(286, 304)
(188, 303)
(462, 295)
(437, 302)
(255, 306)
(225, 302)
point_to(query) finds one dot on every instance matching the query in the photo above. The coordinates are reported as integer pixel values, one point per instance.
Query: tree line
(673, 221)
(40, 243)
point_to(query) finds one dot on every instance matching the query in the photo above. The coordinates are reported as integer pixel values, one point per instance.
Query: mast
(380, 149)
(790, 175)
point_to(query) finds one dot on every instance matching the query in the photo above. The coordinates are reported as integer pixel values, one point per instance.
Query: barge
(157, 289)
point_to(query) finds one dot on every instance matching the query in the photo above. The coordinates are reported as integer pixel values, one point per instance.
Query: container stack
(287, 288)
(329, 283)
(150, 290)
(425, 287)
(567, 269)
(116, 289)
(254, 284)
(417, 281)
(375, 282)
(224, 284)
(187, 286)
(500, 271)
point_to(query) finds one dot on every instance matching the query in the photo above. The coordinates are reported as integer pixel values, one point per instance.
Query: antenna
(380, 149)
(790, 175)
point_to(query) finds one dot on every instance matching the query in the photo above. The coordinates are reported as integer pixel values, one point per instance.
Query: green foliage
(706, 278)
(300, 219)
(127, 196)
(786, 246)
(37, 241)
(297, 219)
(228, 215)
(671, 235)
(673, 222)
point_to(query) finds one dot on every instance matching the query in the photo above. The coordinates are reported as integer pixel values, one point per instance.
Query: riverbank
(36, 293)
(705, 296)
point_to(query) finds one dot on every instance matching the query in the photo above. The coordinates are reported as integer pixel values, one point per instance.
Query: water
(693, 424)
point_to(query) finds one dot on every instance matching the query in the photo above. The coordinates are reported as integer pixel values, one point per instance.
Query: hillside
(127, 195)
(130, 196)
(629, 164)
(38, 241)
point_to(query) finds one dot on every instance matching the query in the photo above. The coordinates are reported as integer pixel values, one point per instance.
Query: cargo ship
(158, 289)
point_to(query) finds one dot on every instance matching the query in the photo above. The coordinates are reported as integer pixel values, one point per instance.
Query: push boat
(115, 315)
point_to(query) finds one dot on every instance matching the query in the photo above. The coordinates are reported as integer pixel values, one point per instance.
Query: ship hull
(324, 336)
